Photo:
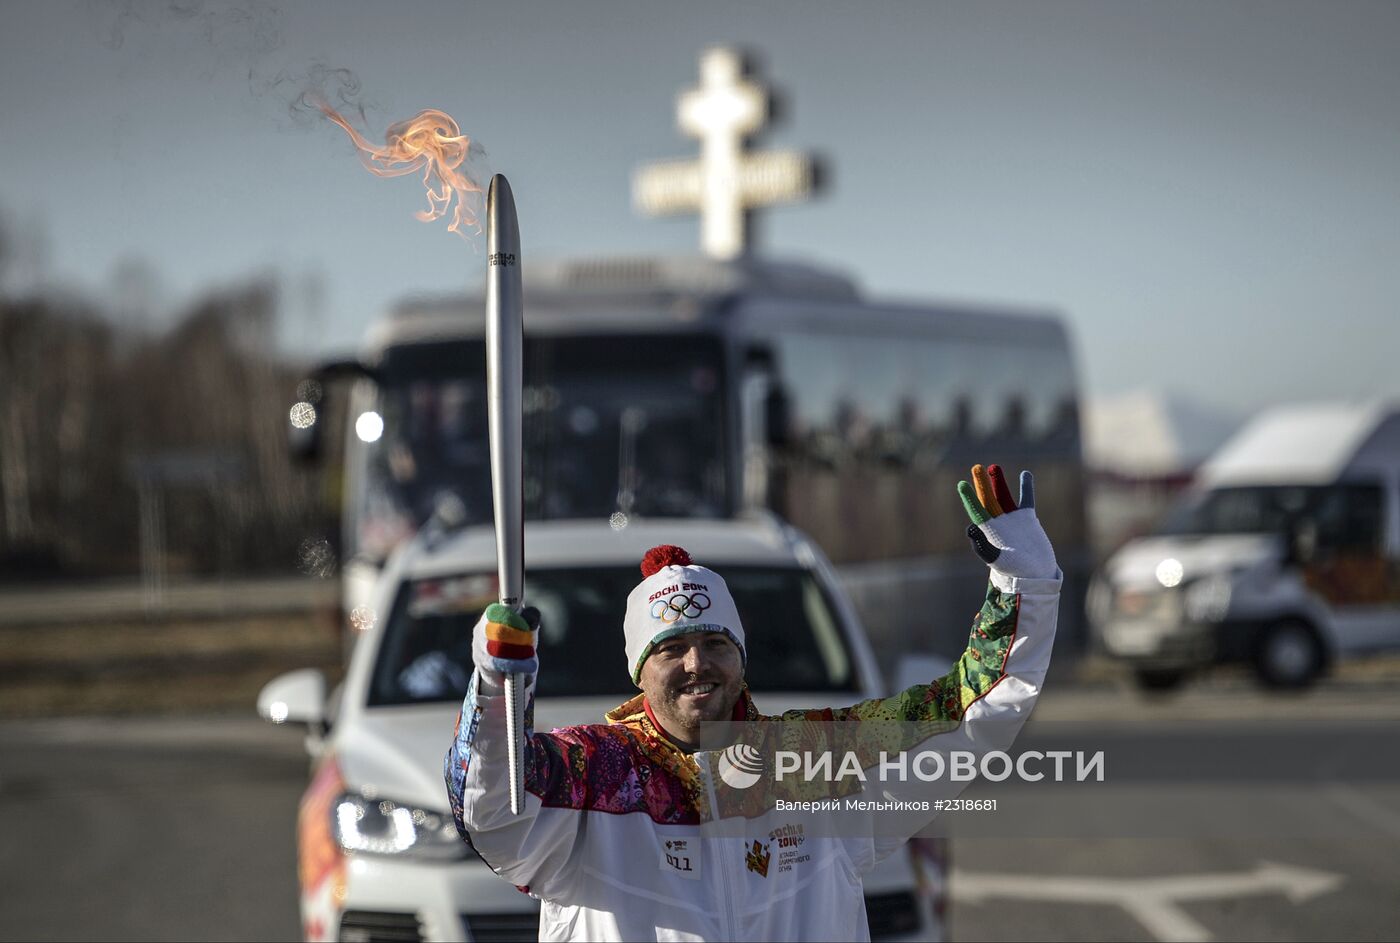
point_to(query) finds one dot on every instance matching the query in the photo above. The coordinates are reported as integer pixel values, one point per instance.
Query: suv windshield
(1344, 515)
(794, 639)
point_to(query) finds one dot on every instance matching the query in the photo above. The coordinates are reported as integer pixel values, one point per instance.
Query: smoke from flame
(430, 142)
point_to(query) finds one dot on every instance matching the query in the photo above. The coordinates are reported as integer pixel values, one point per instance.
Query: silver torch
(504, 391)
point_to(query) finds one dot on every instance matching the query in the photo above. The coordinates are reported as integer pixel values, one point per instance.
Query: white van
(1285, 554)
(380, 858)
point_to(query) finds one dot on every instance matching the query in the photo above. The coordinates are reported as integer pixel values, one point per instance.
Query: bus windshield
(794, 638)
(629, 423)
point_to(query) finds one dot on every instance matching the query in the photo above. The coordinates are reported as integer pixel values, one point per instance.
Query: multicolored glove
(1006, 533)
(503, 641)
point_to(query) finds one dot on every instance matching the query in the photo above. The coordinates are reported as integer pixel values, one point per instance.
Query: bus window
(881, 434)
(433, 447)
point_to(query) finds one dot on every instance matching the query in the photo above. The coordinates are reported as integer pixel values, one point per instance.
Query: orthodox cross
(726, 183)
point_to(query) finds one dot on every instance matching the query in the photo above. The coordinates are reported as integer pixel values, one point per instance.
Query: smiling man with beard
(685, 647)
(613, 837)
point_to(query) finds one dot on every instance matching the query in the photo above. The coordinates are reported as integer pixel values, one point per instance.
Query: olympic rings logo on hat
(669, 610)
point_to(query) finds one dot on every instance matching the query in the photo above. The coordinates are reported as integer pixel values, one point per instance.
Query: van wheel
(1160, 679)
(1289, 654)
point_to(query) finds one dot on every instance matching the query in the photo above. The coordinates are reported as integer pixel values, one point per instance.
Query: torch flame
(431, 142)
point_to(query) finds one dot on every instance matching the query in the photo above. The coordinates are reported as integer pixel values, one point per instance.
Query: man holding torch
(611, 811)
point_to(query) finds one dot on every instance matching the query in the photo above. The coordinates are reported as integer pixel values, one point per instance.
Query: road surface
(1226, 815)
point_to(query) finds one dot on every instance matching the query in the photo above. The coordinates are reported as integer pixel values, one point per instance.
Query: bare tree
(93, 417)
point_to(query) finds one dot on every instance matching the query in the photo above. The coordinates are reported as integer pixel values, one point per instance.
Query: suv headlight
(383, 827)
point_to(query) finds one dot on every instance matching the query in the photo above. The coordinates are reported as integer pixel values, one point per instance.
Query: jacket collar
(636, 712)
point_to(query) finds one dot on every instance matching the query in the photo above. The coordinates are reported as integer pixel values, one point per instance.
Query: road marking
(1151, 901)
(1365, 808)
(1166, 921)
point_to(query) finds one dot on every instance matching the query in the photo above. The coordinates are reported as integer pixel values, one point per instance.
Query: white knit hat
(674, 598)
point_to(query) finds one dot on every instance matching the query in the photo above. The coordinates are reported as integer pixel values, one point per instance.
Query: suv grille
(366, 926)
(891, 914)
(888, 914)
(503, 928)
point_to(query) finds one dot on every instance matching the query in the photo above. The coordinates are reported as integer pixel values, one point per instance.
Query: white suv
(380, 858)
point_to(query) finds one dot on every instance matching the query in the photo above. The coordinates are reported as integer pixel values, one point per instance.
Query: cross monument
(725, 183)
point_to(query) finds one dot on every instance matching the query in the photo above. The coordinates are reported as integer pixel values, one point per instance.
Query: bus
(690, 387)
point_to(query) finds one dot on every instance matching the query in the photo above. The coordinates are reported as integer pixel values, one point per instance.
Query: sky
(1209, 193)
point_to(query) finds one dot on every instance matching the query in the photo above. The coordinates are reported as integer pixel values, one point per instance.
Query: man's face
(691, 679)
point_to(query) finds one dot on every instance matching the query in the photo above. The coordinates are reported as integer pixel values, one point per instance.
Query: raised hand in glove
(504, 641)
(1004, 532)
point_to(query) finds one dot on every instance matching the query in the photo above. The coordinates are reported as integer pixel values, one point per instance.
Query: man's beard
(720, 706)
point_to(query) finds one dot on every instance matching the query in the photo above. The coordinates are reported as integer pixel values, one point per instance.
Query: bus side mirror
(777, 415)
(304, 433)
(307, 415)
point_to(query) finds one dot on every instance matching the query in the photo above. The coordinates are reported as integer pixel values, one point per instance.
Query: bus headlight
(369, 426)
(383, 827)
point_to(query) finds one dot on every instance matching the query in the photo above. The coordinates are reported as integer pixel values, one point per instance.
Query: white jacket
(619, 838)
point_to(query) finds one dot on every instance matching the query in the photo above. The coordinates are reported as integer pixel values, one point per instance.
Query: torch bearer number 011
(505, 391)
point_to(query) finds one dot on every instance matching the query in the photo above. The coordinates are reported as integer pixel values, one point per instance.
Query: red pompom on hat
(662, 556)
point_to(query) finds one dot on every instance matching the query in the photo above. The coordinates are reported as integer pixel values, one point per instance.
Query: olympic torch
(505, 390)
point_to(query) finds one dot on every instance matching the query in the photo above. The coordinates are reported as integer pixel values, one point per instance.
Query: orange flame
(433, 143)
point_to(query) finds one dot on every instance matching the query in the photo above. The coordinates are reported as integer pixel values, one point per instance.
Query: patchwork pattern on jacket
(630, 766)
